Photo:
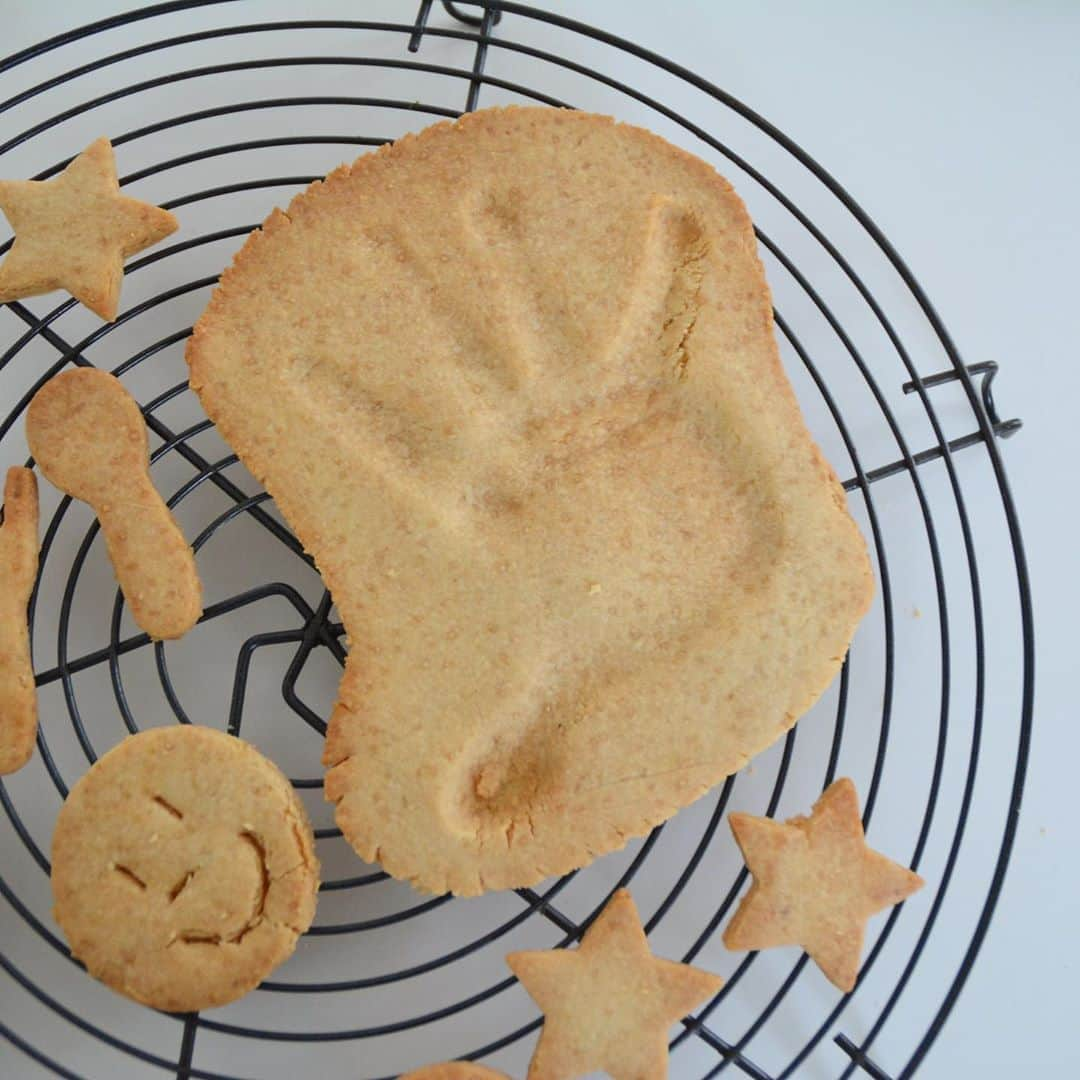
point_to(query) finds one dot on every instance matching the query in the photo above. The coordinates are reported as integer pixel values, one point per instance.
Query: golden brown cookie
(18, 569)
(75, 231)
(183, 868)
(608, 1005)
(513, 382)
(815, 884)
(455, 1070)
(88, 436)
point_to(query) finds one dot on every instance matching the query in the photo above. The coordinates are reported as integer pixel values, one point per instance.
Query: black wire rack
(868, 354)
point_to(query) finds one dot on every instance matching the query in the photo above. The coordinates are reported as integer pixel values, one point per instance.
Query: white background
(957, 127)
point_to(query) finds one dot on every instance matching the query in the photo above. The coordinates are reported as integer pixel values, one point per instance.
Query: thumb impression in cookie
(18, 568)
(87, 434)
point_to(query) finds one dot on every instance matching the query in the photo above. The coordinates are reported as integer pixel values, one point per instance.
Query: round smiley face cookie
(183, 868)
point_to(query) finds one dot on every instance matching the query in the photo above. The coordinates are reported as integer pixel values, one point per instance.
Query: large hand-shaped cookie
(514, 384)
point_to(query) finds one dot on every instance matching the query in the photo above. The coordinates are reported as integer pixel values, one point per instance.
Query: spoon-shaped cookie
(88, 435)
(18, 568)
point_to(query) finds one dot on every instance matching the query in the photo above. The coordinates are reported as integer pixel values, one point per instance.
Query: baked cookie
(183, 868)
(87, 434)
(608, 1005)
(455, 1070)
(75, 231)
(816, 883)
(18, 571)
(514, 384)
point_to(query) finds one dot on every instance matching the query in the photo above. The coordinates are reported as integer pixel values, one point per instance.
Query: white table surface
(955, 126)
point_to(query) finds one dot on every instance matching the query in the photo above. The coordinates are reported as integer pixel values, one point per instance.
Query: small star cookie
(816, 883)
(75, 231)
(608, 1005)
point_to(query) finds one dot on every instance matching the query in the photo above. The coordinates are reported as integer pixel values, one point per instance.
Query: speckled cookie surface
(455, 1070)
(183, 868)
(18, 569)
(514, 383)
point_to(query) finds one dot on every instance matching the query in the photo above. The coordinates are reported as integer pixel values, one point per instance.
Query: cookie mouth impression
(514, 384)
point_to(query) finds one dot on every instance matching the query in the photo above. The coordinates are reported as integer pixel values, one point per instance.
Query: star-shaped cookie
(608, 1005)
(75, 231)
(816, 883)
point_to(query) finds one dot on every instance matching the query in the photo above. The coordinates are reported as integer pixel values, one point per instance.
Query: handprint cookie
(183, 868)
(513, 381)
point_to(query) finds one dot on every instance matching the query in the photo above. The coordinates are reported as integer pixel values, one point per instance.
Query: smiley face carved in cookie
(209, 884)
(183, 868)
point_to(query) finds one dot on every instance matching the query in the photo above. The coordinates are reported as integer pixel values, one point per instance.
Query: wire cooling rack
(931, 714)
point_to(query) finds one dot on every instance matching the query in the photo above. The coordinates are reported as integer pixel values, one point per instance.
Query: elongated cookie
(18, 569)
(88, 436)
(183, 868)
(816, 883)
(75, 231)
(608, 1004)
(513, 382)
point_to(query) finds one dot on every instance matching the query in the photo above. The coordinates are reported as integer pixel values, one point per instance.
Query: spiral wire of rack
(486, 28)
